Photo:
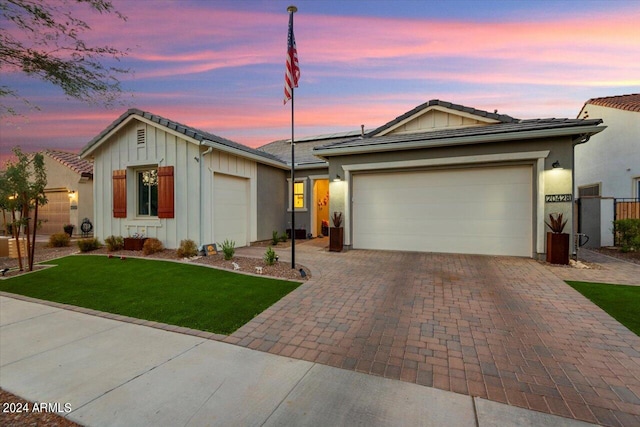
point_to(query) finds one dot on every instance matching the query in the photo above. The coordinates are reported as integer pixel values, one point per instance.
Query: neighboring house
(69, 192)
(609, 166)
(441, 177)
(162, 179)
(448, 178)
(607, 178)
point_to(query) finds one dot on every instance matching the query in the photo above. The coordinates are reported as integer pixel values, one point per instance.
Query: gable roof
(420, 109)
(504, 131)
(629, 102)
(190, 132)
(72, 161)
(304, 147)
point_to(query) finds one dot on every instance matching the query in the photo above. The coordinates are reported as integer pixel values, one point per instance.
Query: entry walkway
(505, 329)
(112, 373)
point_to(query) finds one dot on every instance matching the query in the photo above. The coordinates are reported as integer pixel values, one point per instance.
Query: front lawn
(175, 293)
(620, 301)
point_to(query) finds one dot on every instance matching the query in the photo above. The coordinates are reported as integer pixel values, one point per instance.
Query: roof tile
(629, 102)
(72, 161)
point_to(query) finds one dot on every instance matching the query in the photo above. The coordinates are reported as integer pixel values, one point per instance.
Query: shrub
(151, 246)
(114, 243)
(283, 237)
(628, 233)
(87, 245)
(275, 238)
(556, 224)
(270, 256)
(228, 249)
(187, 249)
(59, 240)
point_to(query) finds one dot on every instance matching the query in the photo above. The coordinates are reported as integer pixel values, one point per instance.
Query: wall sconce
(556, 165)
(337, 178)
(72, 194)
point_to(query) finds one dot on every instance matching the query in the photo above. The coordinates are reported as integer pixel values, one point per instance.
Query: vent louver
(141, 136)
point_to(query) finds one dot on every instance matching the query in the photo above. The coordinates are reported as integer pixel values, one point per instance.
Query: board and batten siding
(164, 148)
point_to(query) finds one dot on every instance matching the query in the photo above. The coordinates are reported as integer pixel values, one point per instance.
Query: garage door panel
(231, 204)
(484, 211)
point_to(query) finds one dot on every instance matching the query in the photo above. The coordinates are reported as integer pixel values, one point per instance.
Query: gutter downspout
(201, 222)
(582, 139)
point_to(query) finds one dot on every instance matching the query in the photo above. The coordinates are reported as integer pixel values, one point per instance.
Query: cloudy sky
(219, 65)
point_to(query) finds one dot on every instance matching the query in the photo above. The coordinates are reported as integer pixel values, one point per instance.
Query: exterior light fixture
(556, 165)
(337, 178)
(72, 194)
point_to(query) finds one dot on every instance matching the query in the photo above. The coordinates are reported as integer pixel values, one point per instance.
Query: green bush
(628, 233)
(270, 256)
(114, 243)
(187, 249)
(151, 246)
(228, 249)
(274, 238)
(284, 237)
(87, 245)
(59, 240)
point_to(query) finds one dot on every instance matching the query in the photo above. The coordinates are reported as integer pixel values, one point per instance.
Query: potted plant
(557, 241)
(336, 233)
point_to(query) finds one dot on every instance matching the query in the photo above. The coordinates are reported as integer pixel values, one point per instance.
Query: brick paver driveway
(506, 329)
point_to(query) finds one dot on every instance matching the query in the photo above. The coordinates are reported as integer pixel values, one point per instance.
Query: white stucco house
(441, 177)
(609, 166)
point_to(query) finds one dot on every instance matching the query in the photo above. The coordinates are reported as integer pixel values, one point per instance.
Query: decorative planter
(132, 244)
(336, 239)
(558, 248)
(324, 230)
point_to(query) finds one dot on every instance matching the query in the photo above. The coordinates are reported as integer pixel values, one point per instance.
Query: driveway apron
(502, 328)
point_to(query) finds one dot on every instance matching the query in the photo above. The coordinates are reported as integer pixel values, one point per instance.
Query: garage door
(231, 204)
(474, 211)
(55, 212)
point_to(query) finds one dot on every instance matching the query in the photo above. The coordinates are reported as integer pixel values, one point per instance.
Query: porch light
(337, 178)
(556, 165)
(72, 194)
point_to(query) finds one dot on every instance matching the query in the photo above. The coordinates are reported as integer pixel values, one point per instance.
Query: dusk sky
(219, 65)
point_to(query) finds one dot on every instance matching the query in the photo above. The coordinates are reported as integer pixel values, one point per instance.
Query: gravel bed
(17, 416)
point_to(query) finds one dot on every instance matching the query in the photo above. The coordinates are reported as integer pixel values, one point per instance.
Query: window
(147, 192)
(299, 194)
(592, 190)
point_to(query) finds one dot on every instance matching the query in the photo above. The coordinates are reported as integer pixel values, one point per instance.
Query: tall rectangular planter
(336, 239)
(558, 248)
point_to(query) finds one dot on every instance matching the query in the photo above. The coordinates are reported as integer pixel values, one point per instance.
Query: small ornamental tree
(21, 193)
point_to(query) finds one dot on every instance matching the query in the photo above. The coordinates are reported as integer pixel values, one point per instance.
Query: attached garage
(55, 214)
(474, 210)
(231, 208)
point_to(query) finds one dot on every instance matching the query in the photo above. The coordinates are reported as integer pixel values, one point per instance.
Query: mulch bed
(617, 253)
(280, 269)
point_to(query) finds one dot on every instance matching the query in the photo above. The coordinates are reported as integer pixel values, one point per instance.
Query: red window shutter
(165, 192)
(120, 193)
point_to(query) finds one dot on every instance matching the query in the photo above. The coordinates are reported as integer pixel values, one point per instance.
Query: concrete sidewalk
(121, 374)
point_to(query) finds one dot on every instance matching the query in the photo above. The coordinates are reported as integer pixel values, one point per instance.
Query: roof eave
(460, 140)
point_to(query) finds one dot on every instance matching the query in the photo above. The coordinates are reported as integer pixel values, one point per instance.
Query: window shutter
(120, 193)
(165, 192)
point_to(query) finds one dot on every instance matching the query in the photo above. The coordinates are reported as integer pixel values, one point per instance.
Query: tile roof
(440, 137)
(197, 134)
(304, 147)
(72, 161)
(503, 118)
(622, 102)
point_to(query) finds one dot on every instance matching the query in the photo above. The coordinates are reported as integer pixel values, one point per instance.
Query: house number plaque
(556, 198)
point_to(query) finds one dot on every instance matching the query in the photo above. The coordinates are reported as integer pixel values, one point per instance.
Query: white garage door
(230, 209)
(474, 211)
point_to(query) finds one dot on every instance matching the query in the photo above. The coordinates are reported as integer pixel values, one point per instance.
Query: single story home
(69, 192)
(441, 177)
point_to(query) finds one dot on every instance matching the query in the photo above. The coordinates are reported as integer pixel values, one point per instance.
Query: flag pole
(292, 9)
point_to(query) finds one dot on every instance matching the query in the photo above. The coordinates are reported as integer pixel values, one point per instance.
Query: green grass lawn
(620, 301)
(178, 294)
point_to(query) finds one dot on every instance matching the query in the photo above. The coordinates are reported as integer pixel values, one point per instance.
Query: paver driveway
(506, 329)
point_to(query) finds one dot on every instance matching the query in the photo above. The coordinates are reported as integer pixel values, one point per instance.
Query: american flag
(292, 74)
